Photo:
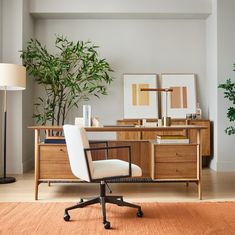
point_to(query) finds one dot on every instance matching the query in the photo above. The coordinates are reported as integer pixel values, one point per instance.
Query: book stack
(172, 139)
(54, 140)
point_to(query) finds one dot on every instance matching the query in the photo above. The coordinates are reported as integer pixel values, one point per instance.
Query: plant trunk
(53, 117)
(64, 113)
(60, 105)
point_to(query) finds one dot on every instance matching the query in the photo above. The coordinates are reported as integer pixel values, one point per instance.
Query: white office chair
(83, 167)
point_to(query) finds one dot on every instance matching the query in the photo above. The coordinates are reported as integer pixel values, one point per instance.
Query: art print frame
(183, 99)
(140, 104)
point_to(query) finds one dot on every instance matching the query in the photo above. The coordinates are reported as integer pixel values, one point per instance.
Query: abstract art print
(137, 103)
(182, 100)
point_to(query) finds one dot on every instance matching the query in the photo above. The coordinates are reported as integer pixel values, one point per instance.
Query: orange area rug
(159, 218)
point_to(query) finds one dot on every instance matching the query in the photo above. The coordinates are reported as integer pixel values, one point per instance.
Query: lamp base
(7, 180)
(166, 121)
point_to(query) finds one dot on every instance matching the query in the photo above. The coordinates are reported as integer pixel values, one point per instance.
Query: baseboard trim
(226, 166)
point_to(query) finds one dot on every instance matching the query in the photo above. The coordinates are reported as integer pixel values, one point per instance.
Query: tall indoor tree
(74, 73)
(229, 93)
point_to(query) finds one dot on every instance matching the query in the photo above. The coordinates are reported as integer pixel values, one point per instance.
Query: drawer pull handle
(178, 155)
(61, 150)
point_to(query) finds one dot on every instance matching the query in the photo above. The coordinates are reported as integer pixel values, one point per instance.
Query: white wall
(212, 76)
(12, 43)
(120, 8)
(226, 59)
(16, 28)
(27, 120)
(220, 59)
(135, 46)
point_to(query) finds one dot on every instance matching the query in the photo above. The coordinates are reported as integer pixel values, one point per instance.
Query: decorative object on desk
(79, 121)
(191, 116)
(143, 122)
(172, 139)
(140, 104)
(182, 98)
(198, 111)
(165, 119)
(150, 124)
(75, 73)
(188, 116)
(159, 122)
(12, 78)
(95, 122)
(194, 116)
(229, 93)
(86, 115)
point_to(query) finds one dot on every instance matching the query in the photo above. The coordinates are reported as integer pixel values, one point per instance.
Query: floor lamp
(12, 78)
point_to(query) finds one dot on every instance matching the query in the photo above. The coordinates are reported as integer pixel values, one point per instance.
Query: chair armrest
(101, 142)
(113, 147)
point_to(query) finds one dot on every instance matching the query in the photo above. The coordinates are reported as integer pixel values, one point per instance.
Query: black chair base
(103, 199)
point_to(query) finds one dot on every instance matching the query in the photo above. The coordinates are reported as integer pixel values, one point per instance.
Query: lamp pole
(166, 120)
(5, 134)
(5, 179)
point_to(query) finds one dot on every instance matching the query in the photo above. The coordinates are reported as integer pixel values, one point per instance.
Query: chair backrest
(76, 141)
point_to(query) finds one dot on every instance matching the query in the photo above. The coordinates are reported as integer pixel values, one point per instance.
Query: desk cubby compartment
(206, 143)
(54, 162)
(174, 161)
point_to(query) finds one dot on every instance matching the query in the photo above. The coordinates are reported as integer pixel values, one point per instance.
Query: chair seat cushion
(112, 168)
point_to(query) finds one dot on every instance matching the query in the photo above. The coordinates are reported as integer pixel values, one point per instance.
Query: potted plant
(229, 93)
(73, 74)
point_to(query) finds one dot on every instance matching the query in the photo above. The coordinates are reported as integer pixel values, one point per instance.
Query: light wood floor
(216, 186)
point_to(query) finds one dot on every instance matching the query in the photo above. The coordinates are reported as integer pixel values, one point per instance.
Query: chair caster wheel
(139, 213)
(66, 217)
(107, 225)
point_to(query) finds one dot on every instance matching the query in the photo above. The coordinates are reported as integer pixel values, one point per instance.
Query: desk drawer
(54, 162)
(55, 171)
(53, 153)
(175, 153)
(175, 170)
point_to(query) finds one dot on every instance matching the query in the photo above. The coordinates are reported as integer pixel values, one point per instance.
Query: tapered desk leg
(36, 155)
(199, 171)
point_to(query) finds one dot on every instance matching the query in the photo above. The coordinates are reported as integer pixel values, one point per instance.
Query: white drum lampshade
(12, 77)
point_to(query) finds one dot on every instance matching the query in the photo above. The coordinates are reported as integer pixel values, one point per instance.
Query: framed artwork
(182, 100)
(137, 103)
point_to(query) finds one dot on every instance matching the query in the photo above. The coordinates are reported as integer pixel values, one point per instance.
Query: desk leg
(36, 155)
(199, 190)
(199, 160)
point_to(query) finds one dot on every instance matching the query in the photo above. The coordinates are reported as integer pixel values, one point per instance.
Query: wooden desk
(51, 160)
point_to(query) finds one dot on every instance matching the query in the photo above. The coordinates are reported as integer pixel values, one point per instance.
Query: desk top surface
(125, 128)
